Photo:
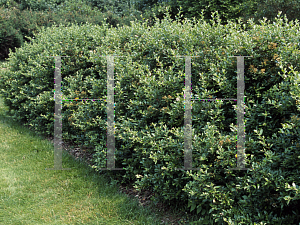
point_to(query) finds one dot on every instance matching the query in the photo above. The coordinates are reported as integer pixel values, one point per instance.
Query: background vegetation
(20, 19)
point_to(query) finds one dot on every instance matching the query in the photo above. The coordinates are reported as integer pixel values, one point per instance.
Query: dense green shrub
(149, 110)
(19, 24)
(102, 5)
(120, 7)
(270, 8)
(42, 5)
(10, 37)
(228, 10)
(144, 5)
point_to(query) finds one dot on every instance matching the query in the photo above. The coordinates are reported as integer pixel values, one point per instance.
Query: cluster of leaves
(149, 111)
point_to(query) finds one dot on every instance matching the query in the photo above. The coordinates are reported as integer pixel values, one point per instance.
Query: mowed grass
(30, 194)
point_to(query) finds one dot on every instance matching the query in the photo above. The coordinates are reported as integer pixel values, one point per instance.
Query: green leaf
(199, 209)
(193, 207)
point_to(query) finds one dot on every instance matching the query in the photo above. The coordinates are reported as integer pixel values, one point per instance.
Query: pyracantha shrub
(149, 109)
